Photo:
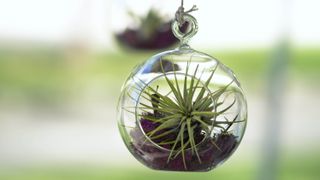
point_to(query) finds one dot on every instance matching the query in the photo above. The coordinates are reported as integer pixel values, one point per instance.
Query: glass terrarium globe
(143, 24)
(182, 110)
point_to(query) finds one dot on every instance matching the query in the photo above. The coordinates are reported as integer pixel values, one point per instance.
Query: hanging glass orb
(143, 25)
(182, 110)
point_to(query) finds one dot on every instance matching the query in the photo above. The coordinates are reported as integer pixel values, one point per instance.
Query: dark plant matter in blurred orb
(153, 32)
(182, 110)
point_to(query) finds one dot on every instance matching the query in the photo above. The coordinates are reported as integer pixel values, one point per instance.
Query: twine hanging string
(181, 13)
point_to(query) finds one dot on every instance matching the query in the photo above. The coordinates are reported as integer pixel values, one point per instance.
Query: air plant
(182, 119)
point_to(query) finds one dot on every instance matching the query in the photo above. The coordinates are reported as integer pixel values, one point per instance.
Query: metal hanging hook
(182, 17)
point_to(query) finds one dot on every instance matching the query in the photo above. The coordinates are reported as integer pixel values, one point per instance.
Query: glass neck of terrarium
(192, 30)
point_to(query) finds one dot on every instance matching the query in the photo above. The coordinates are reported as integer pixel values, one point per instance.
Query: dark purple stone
(157, 158)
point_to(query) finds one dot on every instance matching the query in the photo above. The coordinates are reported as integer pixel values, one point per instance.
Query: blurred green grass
(53, 75)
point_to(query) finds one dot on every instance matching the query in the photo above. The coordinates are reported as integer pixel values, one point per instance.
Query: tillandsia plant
(181, 119)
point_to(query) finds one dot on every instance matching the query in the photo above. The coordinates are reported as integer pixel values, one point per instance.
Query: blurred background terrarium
(144, 27)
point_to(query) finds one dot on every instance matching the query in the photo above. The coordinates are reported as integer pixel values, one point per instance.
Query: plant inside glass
(184, 122)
